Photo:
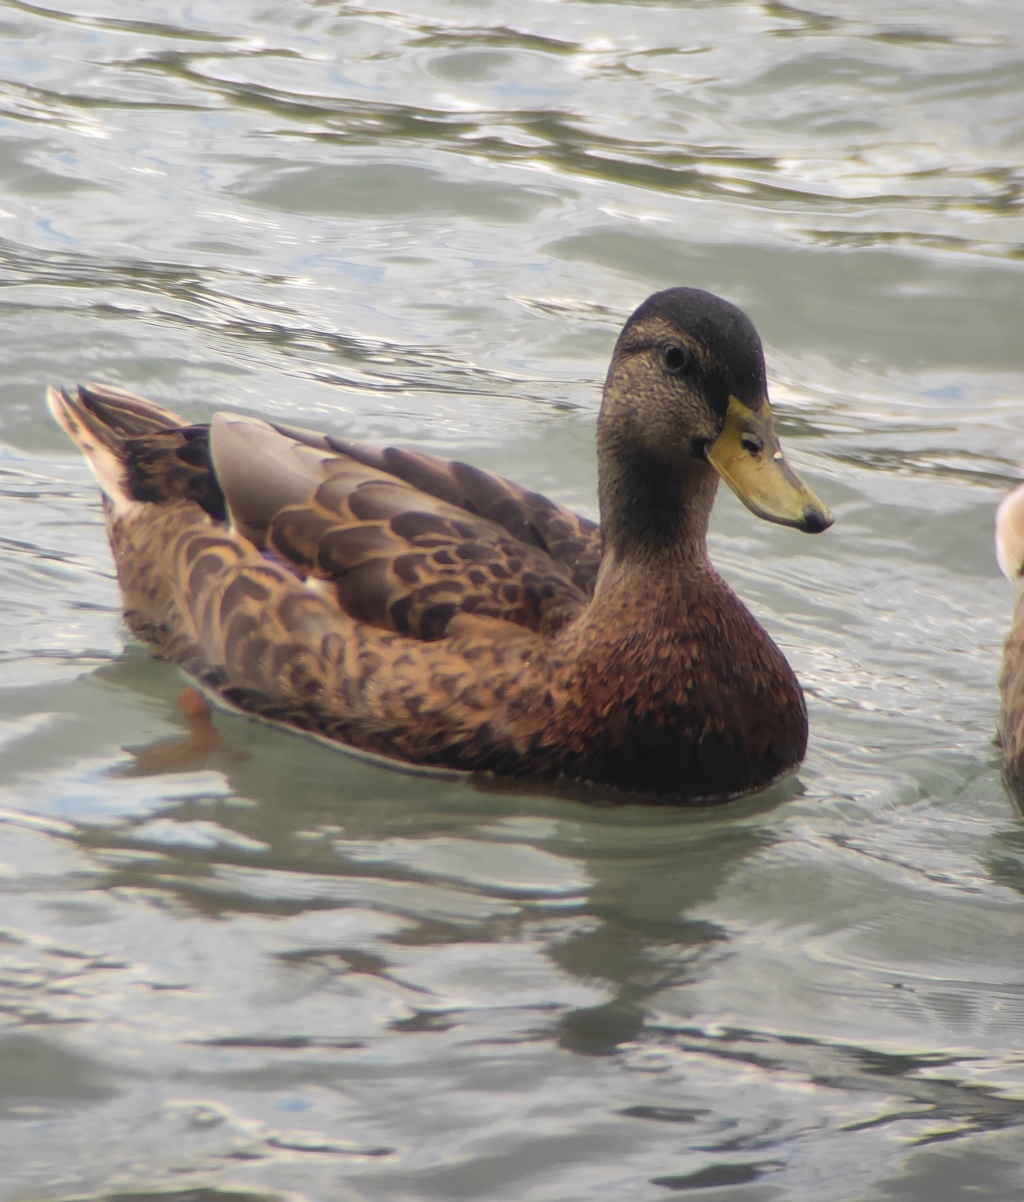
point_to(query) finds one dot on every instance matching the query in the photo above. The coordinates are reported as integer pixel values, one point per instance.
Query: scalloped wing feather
(399, 557)
(530, 517)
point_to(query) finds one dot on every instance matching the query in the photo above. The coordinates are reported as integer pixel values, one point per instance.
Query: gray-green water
(291, 976)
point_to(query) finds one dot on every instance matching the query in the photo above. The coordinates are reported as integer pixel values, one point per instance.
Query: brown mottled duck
(430, 612)
(1010, 555)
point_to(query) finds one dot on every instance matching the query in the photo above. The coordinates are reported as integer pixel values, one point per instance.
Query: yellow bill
(748, 457)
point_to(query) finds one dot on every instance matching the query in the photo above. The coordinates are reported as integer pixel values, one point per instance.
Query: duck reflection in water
(202, 747)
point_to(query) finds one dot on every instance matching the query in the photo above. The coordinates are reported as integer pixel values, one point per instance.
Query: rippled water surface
(287, 976)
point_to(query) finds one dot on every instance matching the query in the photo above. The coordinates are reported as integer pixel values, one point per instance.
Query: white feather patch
(1010, 536)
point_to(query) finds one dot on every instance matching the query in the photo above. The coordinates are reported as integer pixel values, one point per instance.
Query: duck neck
(654, 513)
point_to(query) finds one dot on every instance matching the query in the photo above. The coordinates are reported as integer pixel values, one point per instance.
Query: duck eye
(751, 443)
(675, 358)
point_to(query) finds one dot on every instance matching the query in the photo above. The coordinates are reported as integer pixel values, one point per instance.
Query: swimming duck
(432, 613)
(1010, 557)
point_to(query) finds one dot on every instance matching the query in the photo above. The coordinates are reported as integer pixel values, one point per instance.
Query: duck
(439, 617)
(1010, 557)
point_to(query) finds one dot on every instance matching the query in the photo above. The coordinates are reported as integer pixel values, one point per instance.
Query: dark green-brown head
(686, 389)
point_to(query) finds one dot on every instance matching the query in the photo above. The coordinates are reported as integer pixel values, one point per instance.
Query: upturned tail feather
(100, 419)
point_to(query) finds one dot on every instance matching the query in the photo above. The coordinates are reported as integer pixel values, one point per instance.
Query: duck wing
(569, 539)
(407, 542)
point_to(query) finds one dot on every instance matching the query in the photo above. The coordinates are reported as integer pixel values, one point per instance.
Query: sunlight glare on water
(289, 976)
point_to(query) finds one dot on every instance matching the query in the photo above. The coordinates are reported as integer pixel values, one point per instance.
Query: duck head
(687, 390)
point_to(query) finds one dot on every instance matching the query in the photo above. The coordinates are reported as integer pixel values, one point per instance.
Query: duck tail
(100, 420)
(1010, 536)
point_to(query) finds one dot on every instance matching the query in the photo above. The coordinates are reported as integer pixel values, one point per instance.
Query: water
(287, 976)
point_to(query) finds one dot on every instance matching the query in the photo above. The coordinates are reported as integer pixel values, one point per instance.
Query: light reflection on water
(287, 974)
